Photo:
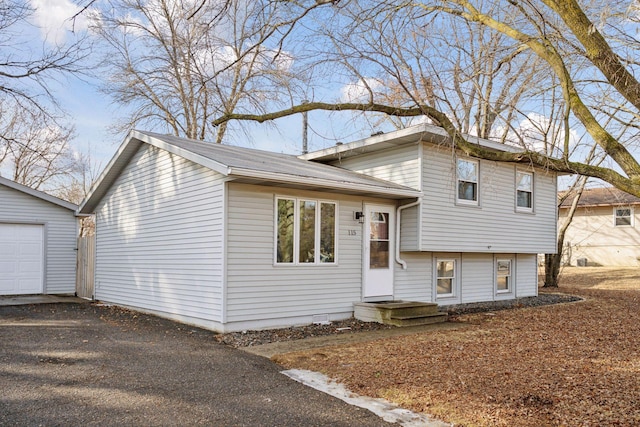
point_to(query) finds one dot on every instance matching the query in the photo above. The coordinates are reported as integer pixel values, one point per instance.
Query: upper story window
(468, 173)
(305, 231)
(524, 191)
(623, 216)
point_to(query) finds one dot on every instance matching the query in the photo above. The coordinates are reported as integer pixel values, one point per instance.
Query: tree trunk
(552, 267)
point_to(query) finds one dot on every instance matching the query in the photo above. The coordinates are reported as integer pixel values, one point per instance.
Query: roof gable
(246, 165)
(37, 194)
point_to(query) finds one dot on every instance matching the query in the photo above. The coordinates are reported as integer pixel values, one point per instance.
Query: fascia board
(108, 173)
(37, 193)
(189, 155)
(132, 143)
(315, 182)
(420, 132)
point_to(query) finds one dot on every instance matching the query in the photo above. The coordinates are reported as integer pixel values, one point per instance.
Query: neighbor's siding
(400, 165)
(261, 294)
(60, 235)
(159, 243)
(494, 225)
(592, 235)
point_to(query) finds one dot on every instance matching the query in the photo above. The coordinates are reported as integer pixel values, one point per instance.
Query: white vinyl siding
(492, 227)
(60, 233)
(477, 277)
(260, 293)
(415, 282)
(400, 165)
(159, 244)
(409, 229)
(526, 275)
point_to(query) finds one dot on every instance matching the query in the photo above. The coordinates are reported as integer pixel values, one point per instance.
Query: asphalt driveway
(83, 364)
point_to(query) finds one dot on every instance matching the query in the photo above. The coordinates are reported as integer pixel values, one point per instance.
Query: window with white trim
(503, 275)
(623, 216)
(524, 191)
(467, 176)
(445, 277)
(305, 231)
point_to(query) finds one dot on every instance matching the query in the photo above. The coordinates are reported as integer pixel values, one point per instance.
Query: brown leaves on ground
(569, 364)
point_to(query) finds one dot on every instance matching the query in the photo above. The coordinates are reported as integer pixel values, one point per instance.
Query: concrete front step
(417, 320)
(399, 313)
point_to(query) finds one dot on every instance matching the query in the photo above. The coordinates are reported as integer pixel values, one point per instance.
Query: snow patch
(382, 408)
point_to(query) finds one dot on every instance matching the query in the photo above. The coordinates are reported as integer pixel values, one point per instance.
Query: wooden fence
(86, 265)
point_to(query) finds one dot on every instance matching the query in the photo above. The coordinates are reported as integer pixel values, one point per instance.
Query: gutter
(398, 212)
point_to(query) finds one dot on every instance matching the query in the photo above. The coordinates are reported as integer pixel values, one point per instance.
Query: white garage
(37, 242)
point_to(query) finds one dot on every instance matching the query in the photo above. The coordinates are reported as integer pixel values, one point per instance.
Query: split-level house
(232, 238)
(604, 229)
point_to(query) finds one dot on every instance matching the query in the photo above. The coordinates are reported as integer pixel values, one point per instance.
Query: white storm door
(21, 259)
(378, 250)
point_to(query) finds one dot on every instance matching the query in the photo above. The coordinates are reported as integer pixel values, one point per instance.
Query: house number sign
(352, 232)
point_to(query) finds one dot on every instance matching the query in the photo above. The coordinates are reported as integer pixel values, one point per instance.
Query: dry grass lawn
(575, 364)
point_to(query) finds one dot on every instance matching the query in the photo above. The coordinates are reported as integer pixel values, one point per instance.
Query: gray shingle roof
(249, 166)
(246, 159)
(608, 196)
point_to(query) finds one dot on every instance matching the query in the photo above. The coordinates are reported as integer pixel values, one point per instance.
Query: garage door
(21, 259)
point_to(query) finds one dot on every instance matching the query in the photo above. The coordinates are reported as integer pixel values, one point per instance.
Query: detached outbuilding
(230, 238)
(37, 242)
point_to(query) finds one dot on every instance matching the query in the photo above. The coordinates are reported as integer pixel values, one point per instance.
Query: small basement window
(503, 275)
(446, 277)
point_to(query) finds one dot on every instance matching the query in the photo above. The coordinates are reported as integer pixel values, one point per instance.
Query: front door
(379, 254)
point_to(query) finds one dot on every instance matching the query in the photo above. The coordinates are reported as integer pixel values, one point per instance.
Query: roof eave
(38, 194)
(343, 186)
(425, 133)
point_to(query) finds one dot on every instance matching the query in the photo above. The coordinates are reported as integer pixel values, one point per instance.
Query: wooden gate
(86, 264)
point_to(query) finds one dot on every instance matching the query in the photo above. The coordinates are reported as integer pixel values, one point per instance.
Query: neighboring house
(231, 238)
(37, 242)
(604, 230)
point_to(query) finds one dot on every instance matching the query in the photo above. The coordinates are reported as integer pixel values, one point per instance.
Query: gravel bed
(482, 307)
(253, 338)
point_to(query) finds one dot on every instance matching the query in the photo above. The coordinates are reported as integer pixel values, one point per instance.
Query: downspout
(398, 212)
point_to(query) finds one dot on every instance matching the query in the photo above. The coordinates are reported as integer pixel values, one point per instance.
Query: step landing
(399, 313)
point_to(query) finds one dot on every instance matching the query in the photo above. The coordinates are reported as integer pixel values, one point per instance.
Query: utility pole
(305, 129)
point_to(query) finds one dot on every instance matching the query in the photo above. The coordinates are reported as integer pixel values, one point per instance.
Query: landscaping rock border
(253, 338)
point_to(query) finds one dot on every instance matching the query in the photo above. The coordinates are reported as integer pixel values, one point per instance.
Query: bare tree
(25, 73)
(178, 64)
(34, 150)
(558, 33)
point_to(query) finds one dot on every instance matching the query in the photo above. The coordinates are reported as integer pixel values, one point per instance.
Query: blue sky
(93, 114)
